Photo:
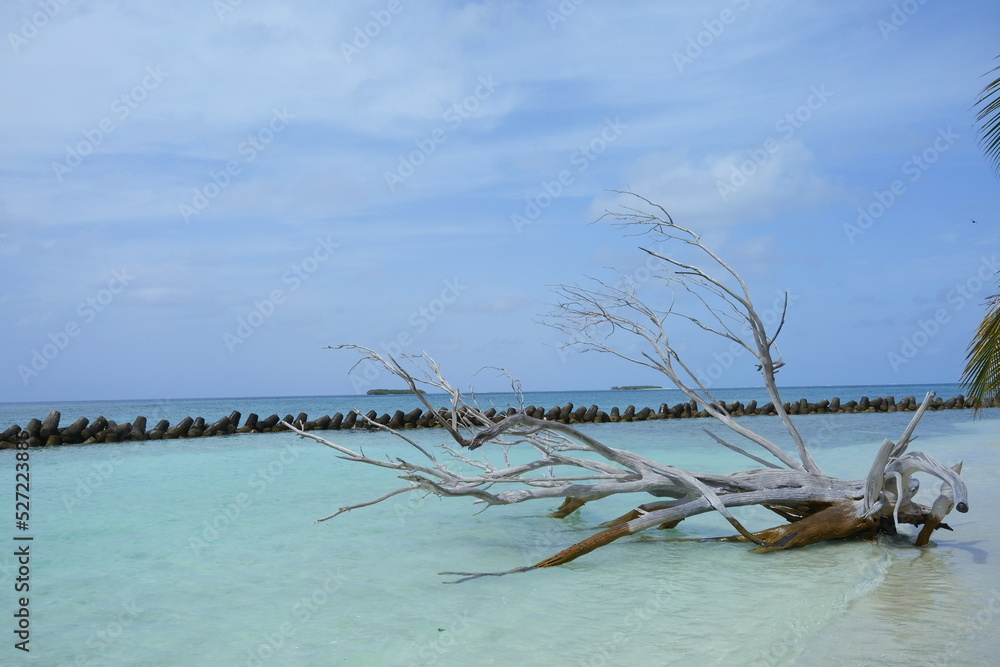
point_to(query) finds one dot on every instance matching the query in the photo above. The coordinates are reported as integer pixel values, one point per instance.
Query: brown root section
(568, 506)
(836, 522)
(816, 507)
(832, 522)
(933, 519)
(586, 546)
(924, 536)
(623, 519)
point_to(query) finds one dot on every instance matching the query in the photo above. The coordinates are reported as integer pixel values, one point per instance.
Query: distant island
(631, 387)
(391, 392)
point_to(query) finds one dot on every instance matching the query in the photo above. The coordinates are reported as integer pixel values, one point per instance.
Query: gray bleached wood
(814, 506)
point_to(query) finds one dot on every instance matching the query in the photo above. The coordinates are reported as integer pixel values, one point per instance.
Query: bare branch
(348, 508)
(546, 466)
(588, 308)
(740, 450)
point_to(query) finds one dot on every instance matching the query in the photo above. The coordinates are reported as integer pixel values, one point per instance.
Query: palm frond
(982, 369)
(988, 118)
(982, 363)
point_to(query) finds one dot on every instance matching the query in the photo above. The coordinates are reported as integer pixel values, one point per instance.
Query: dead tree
(814, 507)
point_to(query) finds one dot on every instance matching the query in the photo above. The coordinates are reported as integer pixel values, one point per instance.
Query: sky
(198, 198)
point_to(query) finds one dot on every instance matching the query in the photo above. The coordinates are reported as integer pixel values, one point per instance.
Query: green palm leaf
(988, 119)
(982, 368)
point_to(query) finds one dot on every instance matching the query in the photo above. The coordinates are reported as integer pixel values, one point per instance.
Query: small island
(632, 387)
(390, 392)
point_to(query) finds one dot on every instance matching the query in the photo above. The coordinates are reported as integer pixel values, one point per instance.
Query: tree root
(569, 505)
(941, 507)
(838, 521)
(586, 546)
(817, 507)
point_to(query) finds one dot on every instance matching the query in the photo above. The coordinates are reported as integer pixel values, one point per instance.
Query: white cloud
(687, 129)
(718, 191)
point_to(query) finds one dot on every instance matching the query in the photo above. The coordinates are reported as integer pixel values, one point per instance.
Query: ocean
(175, 409)
(206, 552)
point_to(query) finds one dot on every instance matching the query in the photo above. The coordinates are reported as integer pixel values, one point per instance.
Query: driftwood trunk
(817, 508)
(812, 506)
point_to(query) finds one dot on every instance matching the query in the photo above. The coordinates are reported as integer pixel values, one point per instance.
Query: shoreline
(48, 432)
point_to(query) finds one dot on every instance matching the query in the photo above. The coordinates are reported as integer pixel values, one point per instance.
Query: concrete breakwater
(49, 432)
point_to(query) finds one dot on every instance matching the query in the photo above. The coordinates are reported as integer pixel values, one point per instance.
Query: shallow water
(175, 409)
(204, 552)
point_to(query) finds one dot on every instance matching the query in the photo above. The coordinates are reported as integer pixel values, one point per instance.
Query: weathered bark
(815, 507)
(568, 506)
(839, 520)
(601, 539)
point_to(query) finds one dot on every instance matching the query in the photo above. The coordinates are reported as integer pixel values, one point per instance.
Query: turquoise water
(205, 552)
(175, 409)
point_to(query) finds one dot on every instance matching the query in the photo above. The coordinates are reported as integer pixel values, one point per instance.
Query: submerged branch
(816, 507)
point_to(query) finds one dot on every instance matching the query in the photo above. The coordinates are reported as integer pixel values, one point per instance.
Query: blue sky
(198, 197)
